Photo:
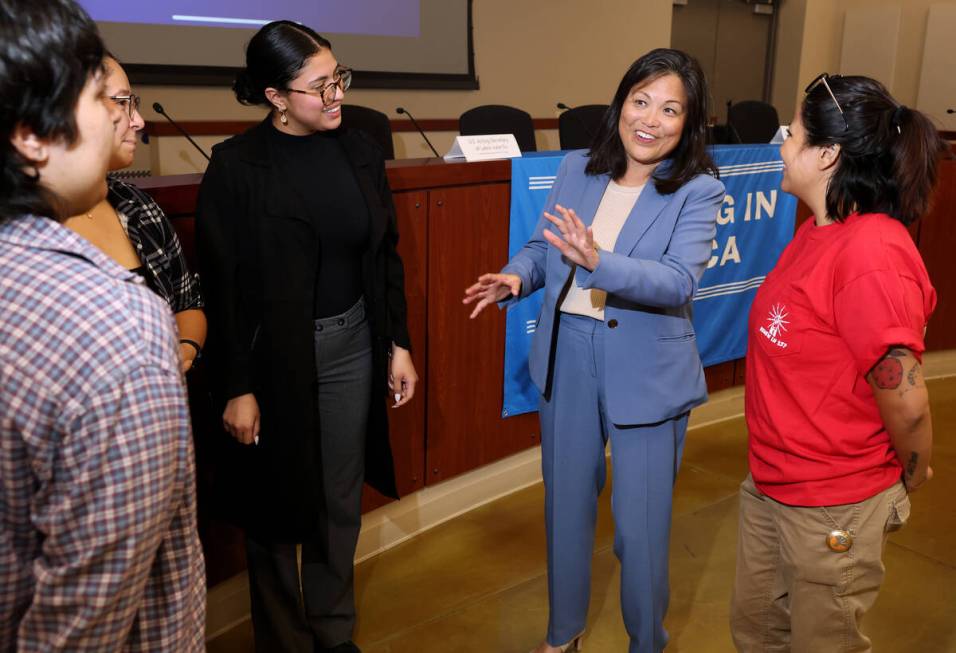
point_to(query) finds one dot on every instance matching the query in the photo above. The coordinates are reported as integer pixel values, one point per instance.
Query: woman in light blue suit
(622, 244)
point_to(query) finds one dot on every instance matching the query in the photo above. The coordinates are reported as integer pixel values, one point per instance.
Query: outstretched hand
(576, 241)
(490, 289)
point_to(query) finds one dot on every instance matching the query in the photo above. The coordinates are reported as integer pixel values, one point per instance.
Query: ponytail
(888, 152)
(915, 149)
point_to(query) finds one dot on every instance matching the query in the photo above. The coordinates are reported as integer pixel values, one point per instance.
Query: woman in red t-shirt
(837, 408)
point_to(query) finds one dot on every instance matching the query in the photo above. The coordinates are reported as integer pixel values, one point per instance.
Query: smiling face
(124, 143)
(651, 124)
(306, 112)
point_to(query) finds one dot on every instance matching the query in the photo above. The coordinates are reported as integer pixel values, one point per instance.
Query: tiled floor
(477, 583)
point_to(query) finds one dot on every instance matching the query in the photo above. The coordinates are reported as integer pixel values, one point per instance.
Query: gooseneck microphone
(158, 108)
(402, 111)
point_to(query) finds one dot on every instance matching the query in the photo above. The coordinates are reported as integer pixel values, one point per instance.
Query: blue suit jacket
(652, 367)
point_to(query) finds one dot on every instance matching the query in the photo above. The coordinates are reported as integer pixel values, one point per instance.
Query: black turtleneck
(317, 167)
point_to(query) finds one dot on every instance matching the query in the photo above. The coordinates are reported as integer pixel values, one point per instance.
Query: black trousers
(303, 600)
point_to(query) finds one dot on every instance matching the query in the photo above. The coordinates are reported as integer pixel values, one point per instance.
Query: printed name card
(484, 148)
(780, 136)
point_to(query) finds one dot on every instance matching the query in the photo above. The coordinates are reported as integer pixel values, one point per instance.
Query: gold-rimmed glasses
(341, 78)
(822, 79)
(129, 102)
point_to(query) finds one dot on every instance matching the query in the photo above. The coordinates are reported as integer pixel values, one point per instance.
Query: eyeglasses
(129, 102)
(822, 79)
(342, 77)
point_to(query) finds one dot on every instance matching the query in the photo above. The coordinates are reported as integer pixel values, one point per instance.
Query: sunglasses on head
(821, 79)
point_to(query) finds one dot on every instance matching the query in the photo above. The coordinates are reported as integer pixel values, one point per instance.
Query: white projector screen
(388, 43)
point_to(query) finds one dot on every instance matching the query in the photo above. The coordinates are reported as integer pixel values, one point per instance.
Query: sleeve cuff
(892, 337)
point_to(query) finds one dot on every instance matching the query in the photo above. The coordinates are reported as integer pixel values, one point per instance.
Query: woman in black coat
(306, 308)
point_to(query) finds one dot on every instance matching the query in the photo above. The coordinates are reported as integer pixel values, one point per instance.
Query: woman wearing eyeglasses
(306, 305)
(131, 228)
(836, 405)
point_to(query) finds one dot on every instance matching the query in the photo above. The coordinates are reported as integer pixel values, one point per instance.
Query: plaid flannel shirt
(98, 543)
(157, 245)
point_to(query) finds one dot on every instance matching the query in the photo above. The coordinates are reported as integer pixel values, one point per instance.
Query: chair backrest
(499, 119)
(752, 121)
(577, 127)
(374, 123)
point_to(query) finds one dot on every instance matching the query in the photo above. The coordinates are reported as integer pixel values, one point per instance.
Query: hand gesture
(490, 289)
(576, 241)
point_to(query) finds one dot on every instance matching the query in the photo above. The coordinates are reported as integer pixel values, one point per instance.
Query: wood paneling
(413, 174)
(936, 245)
(740, 371)
(468, 235)
(720, 376)
(407, 424)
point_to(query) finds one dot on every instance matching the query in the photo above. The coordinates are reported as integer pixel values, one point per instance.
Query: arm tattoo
(913, 375)
(888, 373)
(911, 465)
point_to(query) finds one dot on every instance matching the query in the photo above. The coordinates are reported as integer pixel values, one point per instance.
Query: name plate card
(780, 136)
(484, 148)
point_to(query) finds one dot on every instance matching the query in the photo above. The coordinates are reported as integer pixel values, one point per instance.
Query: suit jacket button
(612, 324)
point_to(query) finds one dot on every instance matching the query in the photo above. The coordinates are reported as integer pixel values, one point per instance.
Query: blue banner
(754, 225)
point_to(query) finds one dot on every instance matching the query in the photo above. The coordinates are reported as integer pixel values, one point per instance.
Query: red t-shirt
(840, 296)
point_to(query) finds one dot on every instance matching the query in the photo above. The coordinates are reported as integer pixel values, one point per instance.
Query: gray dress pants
(302, 598)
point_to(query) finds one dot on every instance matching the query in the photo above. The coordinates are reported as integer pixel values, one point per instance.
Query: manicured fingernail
(398, 397)
(255, 440)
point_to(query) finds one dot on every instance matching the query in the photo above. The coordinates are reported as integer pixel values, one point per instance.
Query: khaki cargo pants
(791, 592)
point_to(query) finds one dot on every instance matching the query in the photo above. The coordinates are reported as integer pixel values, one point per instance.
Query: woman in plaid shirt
(98, 544)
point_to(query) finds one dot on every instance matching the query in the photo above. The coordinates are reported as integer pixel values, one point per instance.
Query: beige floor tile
(916, 609)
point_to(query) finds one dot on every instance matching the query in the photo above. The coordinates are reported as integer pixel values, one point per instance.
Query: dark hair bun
(274, 56)
(247, 91)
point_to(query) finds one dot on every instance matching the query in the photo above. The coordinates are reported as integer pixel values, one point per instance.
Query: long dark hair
(690, 158)
(274, 57)
(48, 51)
(888, 152)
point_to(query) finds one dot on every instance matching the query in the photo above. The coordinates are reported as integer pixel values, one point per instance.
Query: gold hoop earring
(282, 118)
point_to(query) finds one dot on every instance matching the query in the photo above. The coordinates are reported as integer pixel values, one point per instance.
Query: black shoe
(344, 647)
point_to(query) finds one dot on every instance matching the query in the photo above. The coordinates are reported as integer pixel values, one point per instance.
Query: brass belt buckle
(839, 540)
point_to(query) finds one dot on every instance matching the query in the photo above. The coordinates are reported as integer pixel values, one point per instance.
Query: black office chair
(720, 135)
(578, 126)
(374, 123)
(499, 119)
(752, 121)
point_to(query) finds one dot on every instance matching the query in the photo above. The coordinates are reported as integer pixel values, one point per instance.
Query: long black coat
(259, 255)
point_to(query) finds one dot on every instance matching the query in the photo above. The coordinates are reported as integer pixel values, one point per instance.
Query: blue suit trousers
(575, 430)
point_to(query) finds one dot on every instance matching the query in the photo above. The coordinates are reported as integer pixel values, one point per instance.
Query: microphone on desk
(158, 108)
(402, 111)
(581, 123)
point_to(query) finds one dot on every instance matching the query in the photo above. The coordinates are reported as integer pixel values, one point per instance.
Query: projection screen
(389, 43)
